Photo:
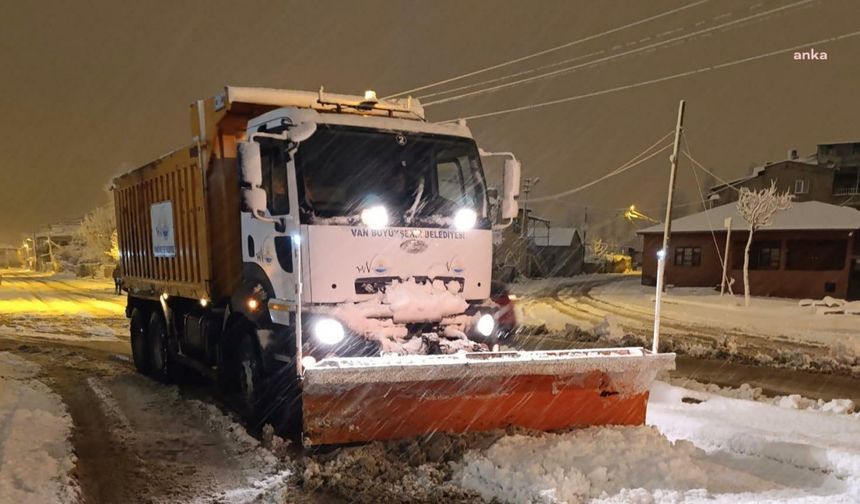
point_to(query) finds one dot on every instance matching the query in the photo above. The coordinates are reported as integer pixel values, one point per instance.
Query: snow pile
(827, 301)
(609, 330)
(583, 464)
(382, 318)
(36, 456)
(411, 301)
(835, 406)
(701, 392)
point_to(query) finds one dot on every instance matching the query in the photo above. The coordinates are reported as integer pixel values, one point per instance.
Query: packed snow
(36, 457)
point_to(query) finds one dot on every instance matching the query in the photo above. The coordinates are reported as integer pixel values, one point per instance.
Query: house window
(688, 256)
(764, 255)
(801, 186)
(816, 255)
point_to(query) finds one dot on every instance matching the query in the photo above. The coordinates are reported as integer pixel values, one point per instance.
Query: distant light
(486, 324)
(370, 96)
(165, 296)
(253, 304)
(297, 238)
(308, 362)
(661, 254)
(204, 302)
(465, 218)
(375, 217)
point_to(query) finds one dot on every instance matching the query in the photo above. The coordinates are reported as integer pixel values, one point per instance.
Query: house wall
(785, 173)
(707, 274)
(780, 282)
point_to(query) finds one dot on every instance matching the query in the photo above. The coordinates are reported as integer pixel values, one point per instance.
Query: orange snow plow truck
(327, 259)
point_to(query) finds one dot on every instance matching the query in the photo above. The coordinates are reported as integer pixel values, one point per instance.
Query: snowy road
(133, 440)
(71, 404)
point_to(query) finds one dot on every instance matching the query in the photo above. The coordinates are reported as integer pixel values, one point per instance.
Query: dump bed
(178, 226)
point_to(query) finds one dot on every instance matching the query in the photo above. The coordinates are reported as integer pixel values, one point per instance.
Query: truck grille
(374, 285)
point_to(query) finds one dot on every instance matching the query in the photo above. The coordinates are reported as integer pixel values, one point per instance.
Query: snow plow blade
(348, 400)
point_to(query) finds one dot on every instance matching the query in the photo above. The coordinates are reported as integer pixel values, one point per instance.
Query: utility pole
(728, 225)
(585, 228)
(528, 183)
(667, 228)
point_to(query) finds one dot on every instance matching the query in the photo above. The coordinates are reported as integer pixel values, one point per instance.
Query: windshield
(421, 179)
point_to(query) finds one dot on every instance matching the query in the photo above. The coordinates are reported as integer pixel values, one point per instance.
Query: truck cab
(389, 220)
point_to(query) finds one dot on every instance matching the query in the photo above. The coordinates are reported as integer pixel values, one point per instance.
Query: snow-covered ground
(36, 456)
(775, 317)
(698, 447)
(43, 305)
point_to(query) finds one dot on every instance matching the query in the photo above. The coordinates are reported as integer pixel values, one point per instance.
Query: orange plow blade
(347, 400)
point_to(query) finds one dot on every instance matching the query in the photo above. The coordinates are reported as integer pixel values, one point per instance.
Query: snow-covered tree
(758, 208)
(598, 250)
(98, 235)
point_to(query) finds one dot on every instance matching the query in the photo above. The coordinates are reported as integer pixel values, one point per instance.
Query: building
(9, 256)
(49, 240)
(831, 175)
(812, 250)
(559, 251)
(544, 250)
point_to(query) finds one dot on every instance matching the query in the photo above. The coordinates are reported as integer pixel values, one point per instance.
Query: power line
(709, 172)
(546, 51)
(702, 198)
(635, 161)
(509, 76)
(560, 71)
(661, 79)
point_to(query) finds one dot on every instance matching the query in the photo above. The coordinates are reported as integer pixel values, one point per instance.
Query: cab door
(269, 242)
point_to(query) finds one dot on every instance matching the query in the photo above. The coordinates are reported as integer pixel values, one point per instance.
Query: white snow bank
(580, 465)
(35, 453)
(750, 393)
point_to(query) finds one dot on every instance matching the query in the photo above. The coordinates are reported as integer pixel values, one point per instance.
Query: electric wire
(635, 161)
(561, 71)
(659, 79)
(704, 203)
(545, 51)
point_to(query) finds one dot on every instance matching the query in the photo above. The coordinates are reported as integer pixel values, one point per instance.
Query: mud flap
(348, 400)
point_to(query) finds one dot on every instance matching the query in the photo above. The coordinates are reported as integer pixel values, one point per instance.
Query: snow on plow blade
(347, 400)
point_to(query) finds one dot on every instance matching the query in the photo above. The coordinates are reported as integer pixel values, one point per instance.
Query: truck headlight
(486, 324)
(328, 331)
(465, 218)
(375, 217)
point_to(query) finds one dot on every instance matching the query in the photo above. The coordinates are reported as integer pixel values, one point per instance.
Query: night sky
(94, 88)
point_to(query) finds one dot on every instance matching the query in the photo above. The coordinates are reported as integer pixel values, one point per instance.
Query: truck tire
(157, 348)
(248, 373)
(139, 348)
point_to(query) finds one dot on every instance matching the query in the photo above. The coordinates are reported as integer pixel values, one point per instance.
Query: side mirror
(251, 174)
(510, 207)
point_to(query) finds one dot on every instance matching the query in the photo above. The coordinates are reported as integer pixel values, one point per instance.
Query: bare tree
(599, 249)
(758, 208)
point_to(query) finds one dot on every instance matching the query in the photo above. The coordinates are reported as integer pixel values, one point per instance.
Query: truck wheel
(139, 348)
(157, 342)
(249, 376)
